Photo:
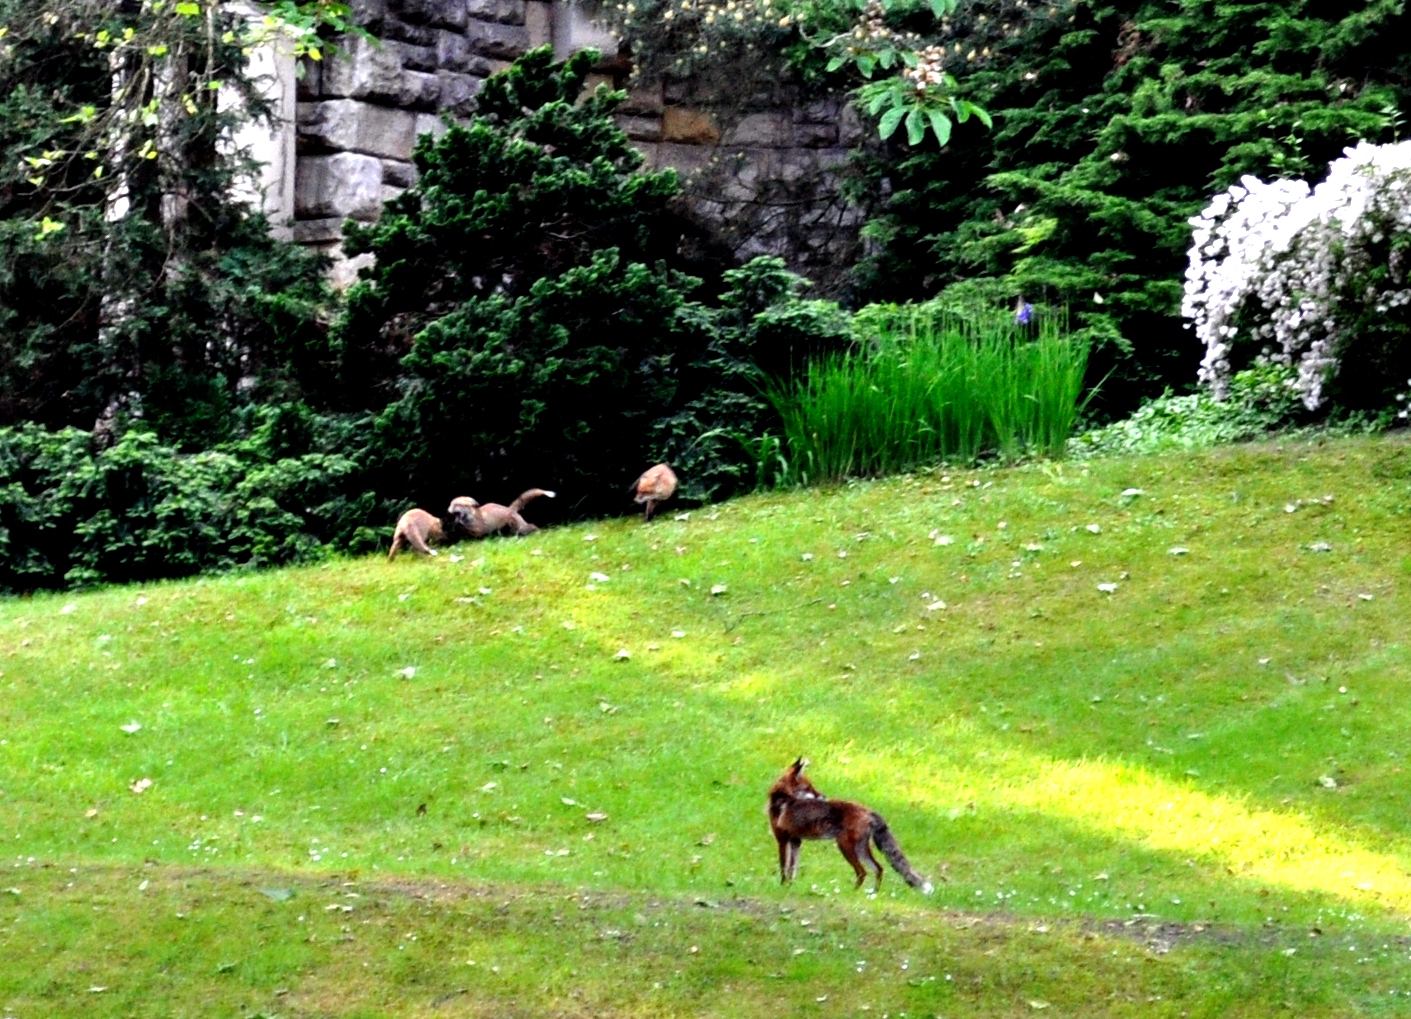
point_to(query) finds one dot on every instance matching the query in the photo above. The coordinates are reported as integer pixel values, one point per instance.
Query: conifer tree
(1115, 121)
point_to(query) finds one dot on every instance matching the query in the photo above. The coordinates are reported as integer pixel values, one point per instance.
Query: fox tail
(527, 497)
(887, 843)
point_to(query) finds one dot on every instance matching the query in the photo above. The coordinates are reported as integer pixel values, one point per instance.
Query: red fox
(416, 527)
(798, 811)
(654, 487)
(478, 521)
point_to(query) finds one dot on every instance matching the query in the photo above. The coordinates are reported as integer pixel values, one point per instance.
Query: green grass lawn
(375, 789)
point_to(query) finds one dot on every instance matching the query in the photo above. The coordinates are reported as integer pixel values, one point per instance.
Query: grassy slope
(1100, 777)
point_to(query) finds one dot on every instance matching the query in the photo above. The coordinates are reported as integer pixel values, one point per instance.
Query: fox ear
(799, 765)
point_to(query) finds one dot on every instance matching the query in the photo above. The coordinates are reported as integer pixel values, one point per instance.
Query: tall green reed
(925, 386)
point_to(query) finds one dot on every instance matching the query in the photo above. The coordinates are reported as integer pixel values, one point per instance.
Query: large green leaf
(940, 124)
(887, 126)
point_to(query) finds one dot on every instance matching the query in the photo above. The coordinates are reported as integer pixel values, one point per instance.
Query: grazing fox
(798, 811)
(653, 488)
(479, 521)
(416, 528)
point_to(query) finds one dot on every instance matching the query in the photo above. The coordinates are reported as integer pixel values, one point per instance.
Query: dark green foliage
(528, 307)
(535, 185)
(1260, 402)
(524, 326)
(71, 514)
(181, 308)
(764, 332)
(557, 388)
(1115, 122)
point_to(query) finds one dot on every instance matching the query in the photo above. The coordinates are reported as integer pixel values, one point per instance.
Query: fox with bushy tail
(798, 811)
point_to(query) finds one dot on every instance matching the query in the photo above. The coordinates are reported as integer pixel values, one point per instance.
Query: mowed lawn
(1145, 722)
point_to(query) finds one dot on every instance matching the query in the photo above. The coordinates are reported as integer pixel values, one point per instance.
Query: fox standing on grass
(798, 811)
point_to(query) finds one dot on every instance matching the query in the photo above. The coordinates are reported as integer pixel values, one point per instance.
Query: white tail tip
(551, 495)
(433, 552)
(927, 888)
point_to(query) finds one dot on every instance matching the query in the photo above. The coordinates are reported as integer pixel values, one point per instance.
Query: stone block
(308, 80)
(318, 231)
(450, 14)
(417, 58)
(641, 129)
(368, 13)
(389, 192)
(458, 92)
(539, 22)
(687, 126)
(405, 31)
(499, 42)
(820, 111)
(362, 68)
(797, 165)
(852, 131)
(416, 12)
(398, 174)
(426, 88)
(452, 51)
(346, 184)
(644, 100)
(506, 12)
(685, 159)
(815, 136)
(430, 123)
(344, 272)
(766, 130)
(352, 126)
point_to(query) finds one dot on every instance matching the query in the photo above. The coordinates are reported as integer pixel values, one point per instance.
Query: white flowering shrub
(1314, 278)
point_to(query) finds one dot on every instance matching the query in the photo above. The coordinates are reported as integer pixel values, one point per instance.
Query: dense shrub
(1259, 401)
(74, 514)
(1314, 278)
(530, 316)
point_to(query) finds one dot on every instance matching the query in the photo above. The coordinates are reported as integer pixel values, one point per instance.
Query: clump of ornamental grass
(925, 386)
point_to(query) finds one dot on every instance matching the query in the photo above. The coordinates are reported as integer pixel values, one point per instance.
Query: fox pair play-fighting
(798, 811)
(419, 528)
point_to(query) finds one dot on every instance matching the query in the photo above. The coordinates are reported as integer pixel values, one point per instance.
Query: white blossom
(1282, 264)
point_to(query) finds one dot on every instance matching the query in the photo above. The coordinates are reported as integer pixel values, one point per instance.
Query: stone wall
(761, 170)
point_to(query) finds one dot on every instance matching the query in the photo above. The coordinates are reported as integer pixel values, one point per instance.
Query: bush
(526, 309)
(926, 386)
(1260, 400)
(1317, 277)
(75, 515)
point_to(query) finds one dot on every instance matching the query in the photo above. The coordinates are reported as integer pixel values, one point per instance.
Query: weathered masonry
(761, 169)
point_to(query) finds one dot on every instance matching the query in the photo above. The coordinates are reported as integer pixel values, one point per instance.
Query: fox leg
(872, 864)
(849, 851)
(794, 845)
(784, 861)
(397, 540)
(647, 512)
